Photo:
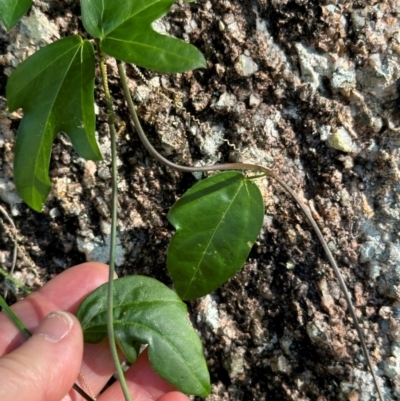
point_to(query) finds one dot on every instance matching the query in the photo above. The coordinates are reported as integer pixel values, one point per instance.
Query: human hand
(44, 367)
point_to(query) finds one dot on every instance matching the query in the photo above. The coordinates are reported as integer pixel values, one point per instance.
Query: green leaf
(12, 10)
(55, 89)
(217, 222)
(148, 312)
(101, 16)
(126, 33)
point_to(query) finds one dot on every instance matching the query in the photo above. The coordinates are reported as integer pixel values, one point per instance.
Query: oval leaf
(217, 222)
(148, 312)
(126, 33)
(12, 10)
(55, 88)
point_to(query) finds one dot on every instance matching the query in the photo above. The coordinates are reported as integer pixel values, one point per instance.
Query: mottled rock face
(309, 89)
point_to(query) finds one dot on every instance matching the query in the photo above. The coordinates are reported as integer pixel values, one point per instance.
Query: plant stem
(15, 319)
(114, 205)
(22, 287)
(270, 173)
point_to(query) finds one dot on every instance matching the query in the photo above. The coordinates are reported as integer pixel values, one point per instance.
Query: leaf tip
(203, 62)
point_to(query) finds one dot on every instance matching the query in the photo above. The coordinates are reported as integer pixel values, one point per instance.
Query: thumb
(45, 367)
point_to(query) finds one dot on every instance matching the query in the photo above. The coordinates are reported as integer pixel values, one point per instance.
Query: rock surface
(309, 89)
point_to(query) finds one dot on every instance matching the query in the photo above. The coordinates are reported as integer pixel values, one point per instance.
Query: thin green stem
(270, 173)
(114, 184)
(15, 319)
(25, 289)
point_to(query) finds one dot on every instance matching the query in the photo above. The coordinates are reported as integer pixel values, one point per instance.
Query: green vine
(55, 88)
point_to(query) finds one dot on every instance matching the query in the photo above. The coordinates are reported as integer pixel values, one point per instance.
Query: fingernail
(55, 326)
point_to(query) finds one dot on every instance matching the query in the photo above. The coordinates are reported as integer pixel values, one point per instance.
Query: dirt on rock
(307, 88)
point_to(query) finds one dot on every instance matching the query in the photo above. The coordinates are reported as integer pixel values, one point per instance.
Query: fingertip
(98, 270)
(56, 326)
(174, 396)
(91, 268)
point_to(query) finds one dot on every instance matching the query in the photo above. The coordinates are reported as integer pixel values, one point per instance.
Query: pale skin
(44, 367)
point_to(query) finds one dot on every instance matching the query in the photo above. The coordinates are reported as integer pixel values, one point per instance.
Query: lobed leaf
(125, 30)
(217, 222)
(11, 11)
(148, 312)
(55, 88)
